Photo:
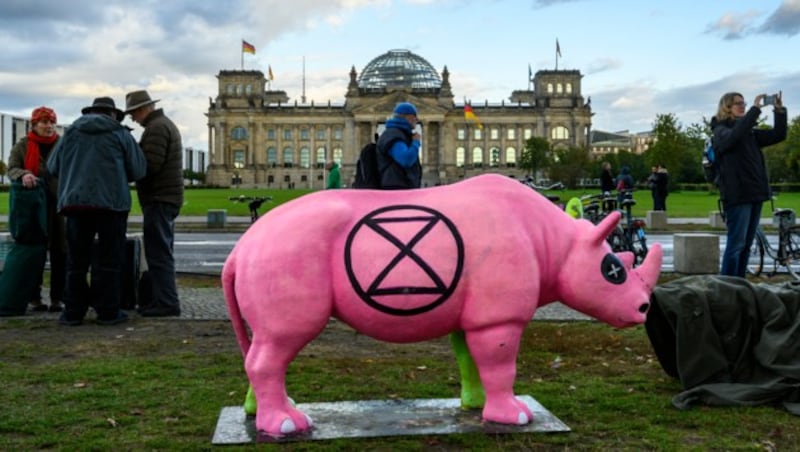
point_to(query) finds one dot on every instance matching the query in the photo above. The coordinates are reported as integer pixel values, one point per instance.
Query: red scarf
(32, 154)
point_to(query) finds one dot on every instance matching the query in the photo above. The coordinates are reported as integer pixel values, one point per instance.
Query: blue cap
(405, 108)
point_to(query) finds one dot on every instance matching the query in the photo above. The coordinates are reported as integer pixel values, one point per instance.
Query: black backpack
(368, 175)
(710, 163)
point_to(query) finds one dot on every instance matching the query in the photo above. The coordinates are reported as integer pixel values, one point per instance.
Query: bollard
(715, 219)
(696, 253)
(656, 219)
(216, 218)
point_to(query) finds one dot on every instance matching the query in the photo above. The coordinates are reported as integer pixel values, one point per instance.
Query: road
(206, 252)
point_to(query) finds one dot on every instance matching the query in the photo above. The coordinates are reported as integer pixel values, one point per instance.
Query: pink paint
(479, 256)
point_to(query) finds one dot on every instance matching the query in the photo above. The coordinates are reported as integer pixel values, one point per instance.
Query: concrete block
(715, 219)
(696, 253)
(656, 219)
(217, 218)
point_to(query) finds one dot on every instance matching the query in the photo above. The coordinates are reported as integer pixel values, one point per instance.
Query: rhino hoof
(287, 426)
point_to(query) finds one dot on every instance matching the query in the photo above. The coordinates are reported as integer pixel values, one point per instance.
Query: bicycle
(788, 245)
(630, 235)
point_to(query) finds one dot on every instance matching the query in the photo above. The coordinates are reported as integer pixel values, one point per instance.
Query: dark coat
(738, 144)
(393, 174)
(161, 143)
(729, 342)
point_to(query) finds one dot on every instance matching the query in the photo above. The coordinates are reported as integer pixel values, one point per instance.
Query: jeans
(742, 221)
(105, 291)
(159, 240)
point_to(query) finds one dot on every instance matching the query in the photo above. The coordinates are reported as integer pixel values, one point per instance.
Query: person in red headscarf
(27, 163)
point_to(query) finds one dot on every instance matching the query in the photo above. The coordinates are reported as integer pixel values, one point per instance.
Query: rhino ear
(604, 228)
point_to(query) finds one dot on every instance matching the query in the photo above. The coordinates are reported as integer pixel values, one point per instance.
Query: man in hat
(398, 149)
(95, 203)
(161, 197)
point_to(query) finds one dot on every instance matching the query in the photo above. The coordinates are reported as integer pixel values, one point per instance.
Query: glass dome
(399, 68)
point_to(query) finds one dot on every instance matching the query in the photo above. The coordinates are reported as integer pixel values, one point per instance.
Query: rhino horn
(651, 267)
(605, 227)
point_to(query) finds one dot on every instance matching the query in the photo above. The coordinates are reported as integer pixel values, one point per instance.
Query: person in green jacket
(334, 178)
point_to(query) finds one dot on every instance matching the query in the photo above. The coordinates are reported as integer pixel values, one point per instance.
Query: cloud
(784, 21)
(733, 26)
(603, 65)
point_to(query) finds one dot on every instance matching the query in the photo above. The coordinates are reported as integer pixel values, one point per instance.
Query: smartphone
(418, 129)
(769, 99)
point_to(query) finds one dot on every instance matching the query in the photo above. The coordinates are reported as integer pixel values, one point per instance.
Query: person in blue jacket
(95, 161)
(398, 150)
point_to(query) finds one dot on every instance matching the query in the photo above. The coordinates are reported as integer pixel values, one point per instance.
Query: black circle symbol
(380, 222)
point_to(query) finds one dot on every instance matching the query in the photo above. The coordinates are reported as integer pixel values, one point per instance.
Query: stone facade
(258, 138)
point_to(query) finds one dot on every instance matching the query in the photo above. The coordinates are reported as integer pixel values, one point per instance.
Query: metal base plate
(372, 418)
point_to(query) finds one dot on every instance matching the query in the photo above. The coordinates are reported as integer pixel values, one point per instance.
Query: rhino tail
(229, 291)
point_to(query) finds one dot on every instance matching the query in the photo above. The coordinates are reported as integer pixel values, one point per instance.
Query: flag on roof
(471, 116)
(248, 48)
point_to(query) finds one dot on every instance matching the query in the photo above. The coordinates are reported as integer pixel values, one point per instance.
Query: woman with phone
(744, 183)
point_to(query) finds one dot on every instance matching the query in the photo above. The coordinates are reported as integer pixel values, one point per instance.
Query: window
(270, 134)
(238, 158)
(477, 133)
(239, 133)
(337, 133)
(321, 134)
(272, 156)
(304, 134)
(337, 155)
(288, 157)
(568, 88)
(461, 155)
(321, 157)
(494, 155)
(494, 134)
(229, 89)
(462, 134)
(511, 133)
(305, 157)
(287, 134)
(559, 88)
(477, 156)
(511, 156)
(527, 134)
(239, 89)
(248, 89)
(560, 133)
(550, 88)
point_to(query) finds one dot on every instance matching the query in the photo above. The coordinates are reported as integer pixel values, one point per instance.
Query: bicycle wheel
(617, 240)
(756, 263)
(793, 250)
(639, 246)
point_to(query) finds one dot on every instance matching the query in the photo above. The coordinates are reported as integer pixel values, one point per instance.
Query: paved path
(208, 304)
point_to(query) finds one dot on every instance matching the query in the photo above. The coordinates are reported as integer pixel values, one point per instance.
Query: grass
(151, 386)
(199, 201)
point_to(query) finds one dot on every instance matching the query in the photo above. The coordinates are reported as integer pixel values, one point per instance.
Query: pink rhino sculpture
(473, 259)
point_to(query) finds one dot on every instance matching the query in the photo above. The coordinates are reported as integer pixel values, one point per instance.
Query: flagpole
(242, 54)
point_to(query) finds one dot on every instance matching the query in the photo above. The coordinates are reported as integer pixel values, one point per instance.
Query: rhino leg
(494, 350)
(472, 394)
(266, 365)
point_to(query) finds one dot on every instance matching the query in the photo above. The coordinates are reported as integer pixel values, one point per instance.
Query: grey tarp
(728, 341)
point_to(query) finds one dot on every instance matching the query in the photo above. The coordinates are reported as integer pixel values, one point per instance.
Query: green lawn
(199, 201)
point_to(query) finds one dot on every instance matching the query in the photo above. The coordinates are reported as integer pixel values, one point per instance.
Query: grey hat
(102, 104)
(137, 99)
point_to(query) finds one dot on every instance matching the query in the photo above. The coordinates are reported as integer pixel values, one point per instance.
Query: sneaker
(55, 306)
(38, 306)
(159, 311)
(63, 320)
(120, 318)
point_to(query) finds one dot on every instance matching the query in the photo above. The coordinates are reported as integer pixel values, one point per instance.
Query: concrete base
(656, 219)
(715, 219)
(696, 253)
(373, 418)
(217, 218)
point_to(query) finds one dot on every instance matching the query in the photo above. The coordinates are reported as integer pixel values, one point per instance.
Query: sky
(638, 58)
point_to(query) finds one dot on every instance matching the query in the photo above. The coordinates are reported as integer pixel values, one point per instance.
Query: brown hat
(137, 99)
(103, 105)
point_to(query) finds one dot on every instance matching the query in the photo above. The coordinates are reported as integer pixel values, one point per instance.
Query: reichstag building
(258, 138)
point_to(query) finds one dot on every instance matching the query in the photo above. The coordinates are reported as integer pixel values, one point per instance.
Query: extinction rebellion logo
(404, 260)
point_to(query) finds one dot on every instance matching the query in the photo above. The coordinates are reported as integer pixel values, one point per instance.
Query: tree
(535, 156)
(570, 165)
(675, 150)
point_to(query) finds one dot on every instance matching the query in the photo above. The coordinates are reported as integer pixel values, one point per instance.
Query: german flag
(248, 48)
(470, 115)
